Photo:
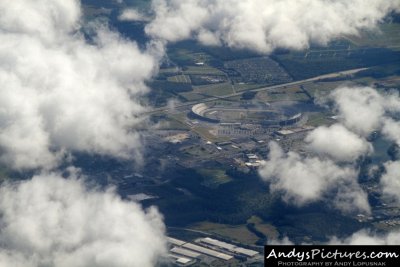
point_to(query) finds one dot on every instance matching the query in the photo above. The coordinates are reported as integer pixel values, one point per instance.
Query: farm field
(179, 79)
(388, 36)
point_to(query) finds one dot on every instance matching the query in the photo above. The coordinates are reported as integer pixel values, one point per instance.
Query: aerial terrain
(223, 143)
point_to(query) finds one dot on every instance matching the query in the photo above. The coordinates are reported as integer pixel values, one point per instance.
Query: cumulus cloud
(280, 242)
(337, 142)
(365, 237)
(131, 14)
(264, 25)
(362, 237)
(306, 179)
(55, 222)
(61, 93)
(391, 130)
(47, 20)
(390, 180)
(363, 109)
(335, 149)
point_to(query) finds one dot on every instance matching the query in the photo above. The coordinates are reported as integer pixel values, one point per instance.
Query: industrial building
(252, 160)
(229, 247)
(209, 252)
(300, 132)
(181, 261)
(184, 253)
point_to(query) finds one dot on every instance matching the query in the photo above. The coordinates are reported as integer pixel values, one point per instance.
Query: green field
(292, 93)
(247, 86)
(218, 89)
(388, 36)
(191, 96)
(367, 49)
(199, 70)
(267, 229)
(196, 151)
(214, 177)
(204, 132)
(179, 79)
(239, 233)
(322, 88)
(319, 119)
(173, 122)
(188, 53)
(169, 71)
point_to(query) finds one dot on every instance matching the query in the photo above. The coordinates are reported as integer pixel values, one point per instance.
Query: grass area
(181, 55)
(233, 99)
(341, 55)
(318, 119)
(293, 93)
(267, 229)
(204, 132)
(239, 233)
(192, 96)
(169, 70)
(188, 53)
(218, 89)
(174, 122)
(196, 151)
(179, 79)
(202, 70)
(176, 125)
(214, 177)
(322, 88)
(388, 36)
(239, 87)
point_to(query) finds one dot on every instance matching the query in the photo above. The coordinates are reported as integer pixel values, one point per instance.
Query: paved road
(213, 98)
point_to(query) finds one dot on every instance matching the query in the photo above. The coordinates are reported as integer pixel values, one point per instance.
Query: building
(229, 247)
(181, 261)
(186, 250)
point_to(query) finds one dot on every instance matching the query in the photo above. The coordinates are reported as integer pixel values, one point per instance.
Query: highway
(213, 98)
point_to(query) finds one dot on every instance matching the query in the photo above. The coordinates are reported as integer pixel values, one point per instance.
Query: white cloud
(337, 142)
(363, 109)
(48, 20)
(365, 237)
(56, 222)
(264, 25)
(306, 179)
(360, 109)
(131, 14)
(391, 130)
(60, 93)
(390, 180)
(303, 179)
(362, 237)
(280, 242)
